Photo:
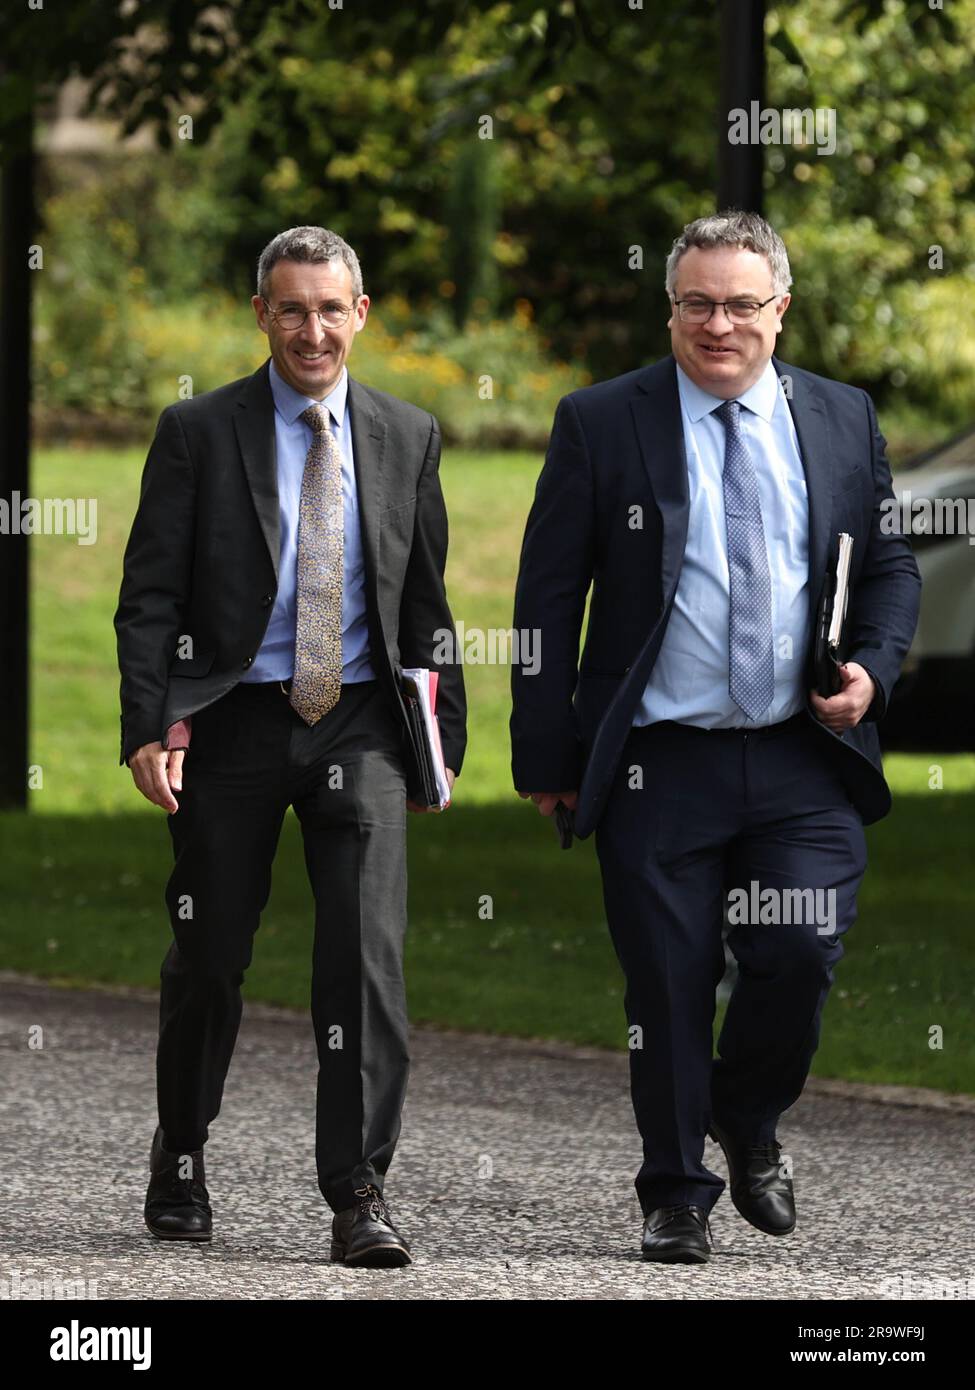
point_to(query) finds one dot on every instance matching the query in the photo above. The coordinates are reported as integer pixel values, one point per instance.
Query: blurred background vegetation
(535, 258)
(82, 876)
(514, 256)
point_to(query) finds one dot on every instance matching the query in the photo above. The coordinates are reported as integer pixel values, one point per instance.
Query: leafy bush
(490, 386)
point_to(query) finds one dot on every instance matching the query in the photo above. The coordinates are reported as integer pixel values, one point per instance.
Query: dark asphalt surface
(513, 1178)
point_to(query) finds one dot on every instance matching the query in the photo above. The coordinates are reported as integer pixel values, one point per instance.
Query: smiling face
(310, 358)
(721, 357)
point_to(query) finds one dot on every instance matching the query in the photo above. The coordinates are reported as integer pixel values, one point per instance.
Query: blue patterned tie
(751, 661)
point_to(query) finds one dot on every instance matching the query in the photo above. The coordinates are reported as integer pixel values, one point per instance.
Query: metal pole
(742, 81)
(17, 224)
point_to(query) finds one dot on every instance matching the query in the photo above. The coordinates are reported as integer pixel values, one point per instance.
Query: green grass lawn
(82, 876)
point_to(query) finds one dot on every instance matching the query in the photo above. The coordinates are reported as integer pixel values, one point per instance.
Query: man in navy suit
(702, 498)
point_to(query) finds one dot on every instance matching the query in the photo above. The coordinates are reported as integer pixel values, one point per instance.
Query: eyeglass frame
(722, 304)
(276, 314)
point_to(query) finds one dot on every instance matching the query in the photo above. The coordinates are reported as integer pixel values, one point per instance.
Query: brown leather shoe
(677, 1235)
(364, 1235)
(177, 1208)
(759, 1191)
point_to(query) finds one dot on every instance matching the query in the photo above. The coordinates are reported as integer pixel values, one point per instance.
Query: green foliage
(882, 233)
(93, 854)
(471, 220)
(491, 386)
(366, 130)
(144, 60)
(604, 145)
(121, 306)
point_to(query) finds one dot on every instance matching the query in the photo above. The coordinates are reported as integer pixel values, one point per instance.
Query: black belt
(265, 686)
(284, 687)
(759, 731)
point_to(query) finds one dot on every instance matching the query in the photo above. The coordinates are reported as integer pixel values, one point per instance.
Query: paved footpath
(513, 1178)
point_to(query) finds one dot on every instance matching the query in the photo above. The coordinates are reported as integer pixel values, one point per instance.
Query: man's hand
(546, 801)
(847, 707)
(155, 771)
(412, 805)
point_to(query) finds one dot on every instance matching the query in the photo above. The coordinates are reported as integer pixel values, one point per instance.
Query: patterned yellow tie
(317, 682)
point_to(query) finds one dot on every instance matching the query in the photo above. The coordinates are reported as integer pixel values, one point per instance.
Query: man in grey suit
(285, 564)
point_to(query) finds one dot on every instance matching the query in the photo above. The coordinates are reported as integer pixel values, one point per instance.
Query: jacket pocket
(397, 510)
(192, 666)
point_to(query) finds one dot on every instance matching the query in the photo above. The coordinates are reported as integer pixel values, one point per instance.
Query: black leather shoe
(364, 1235)
(758, 1190)
(177, 1208)
(677, 1235)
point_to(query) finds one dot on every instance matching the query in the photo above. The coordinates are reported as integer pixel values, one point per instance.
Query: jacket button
(266, 599)
(247, 662)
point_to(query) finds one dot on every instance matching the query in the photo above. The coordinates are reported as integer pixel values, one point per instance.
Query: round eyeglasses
(292, 316)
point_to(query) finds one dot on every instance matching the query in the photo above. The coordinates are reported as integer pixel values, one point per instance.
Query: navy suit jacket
(619, 445)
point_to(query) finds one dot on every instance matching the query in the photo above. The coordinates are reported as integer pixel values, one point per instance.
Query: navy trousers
(698, 821)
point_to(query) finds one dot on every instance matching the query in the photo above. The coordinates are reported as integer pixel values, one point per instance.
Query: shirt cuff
(178, 735)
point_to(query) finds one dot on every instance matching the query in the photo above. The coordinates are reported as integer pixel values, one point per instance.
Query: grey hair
(309, 244)
(732, 228)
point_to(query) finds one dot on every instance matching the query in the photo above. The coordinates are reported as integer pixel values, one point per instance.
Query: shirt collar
(290, 403)
(761, 397)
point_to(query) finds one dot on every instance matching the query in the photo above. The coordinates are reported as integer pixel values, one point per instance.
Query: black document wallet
(830, 620)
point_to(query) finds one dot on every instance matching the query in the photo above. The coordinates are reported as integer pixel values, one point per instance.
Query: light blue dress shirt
(689, 682)
(275, 660)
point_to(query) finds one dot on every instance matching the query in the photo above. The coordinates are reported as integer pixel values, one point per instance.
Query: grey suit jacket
(202, 557)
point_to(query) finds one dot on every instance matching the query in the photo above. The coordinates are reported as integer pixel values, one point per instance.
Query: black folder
(565, 823)
(829, 648)
(422, 783)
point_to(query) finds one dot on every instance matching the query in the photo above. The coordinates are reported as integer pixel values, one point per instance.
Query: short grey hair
(312, 245)
(732, 228)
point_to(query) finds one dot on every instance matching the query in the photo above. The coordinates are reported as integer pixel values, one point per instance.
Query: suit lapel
(660, 434)
(655, 408)
(254, 424)
(812, 427)
(369, 453)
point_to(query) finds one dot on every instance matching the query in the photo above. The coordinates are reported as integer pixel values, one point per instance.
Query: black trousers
(250, 758)
(695, 815)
